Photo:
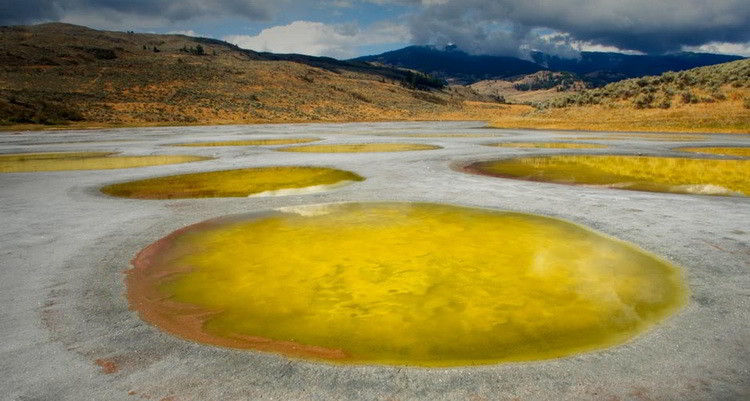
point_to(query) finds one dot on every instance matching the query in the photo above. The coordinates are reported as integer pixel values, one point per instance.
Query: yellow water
(231, 183)
(360, 147)
(251, 142)
(547, 145)
(411, 284)
(726, 151)
(30, 162)
(655, 174)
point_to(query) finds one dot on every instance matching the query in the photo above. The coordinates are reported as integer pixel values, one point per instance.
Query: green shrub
(643, 101)
(665, 103)
(688, 97)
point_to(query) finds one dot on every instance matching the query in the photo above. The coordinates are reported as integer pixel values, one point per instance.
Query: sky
(351, 28)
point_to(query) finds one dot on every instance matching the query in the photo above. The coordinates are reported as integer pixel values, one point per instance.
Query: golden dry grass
(728, 116)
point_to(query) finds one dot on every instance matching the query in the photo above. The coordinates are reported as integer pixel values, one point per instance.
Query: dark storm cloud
(30, 11)
(13, 11)
(651, 26)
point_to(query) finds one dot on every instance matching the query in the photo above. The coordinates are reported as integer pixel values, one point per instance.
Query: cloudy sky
(350, 28)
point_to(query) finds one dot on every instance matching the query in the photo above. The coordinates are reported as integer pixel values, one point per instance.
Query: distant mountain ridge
(631, 65)
(598, 68)
(456, 66)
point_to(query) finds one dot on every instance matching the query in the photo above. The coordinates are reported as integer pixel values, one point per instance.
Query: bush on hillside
(643, 91)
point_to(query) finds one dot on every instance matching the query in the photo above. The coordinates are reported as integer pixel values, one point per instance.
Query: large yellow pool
(404, 284)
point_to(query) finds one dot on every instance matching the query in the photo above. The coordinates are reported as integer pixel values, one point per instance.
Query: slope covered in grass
(706, 99)
(60, 73)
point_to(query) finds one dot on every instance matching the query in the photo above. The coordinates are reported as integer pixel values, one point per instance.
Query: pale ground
(64, 247)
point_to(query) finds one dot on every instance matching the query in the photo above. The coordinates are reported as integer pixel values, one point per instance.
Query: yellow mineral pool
(235, 183)
(62, 161)
(643, 173)
(402, 284)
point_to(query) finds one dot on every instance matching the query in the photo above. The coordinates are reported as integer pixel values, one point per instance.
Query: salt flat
(68, 334)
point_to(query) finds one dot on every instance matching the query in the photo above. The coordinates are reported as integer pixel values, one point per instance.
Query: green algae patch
(724, 151)
(360, 148)
(402, 284)
(279, 180)
(547, 145)
(250, 142)
(63, 161)
(641, 173)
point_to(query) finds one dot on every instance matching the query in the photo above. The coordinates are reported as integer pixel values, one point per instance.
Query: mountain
(630, 66)
(595, 68)
(453, 65)
(57, 73)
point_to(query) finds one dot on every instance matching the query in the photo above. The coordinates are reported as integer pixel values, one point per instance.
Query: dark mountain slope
(454, 65)
(631, 66)
(594, 67)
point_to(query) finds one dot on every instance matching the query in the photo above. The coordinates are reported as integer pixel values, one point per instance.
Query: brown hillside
(706, 99)
(56, 73)
(540, 86)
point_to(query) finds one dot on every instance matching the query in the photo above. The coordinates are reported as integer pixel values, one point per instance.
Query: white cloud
(740, 49)
(593, 47)
(319, 39)
(186, 32)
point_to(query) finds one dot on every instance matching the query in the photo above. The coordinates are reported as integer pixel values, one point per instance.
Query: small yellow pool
(400, 283)
(642, 173)
(62, 161)
(234, 183)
